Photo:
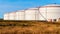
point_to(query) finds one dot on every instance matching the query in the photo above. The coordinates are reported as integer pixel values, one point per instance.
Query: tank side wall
(6, 16)
(12, 16)
(42, 14)
(19, 15)
(30, 15)
(53, 13)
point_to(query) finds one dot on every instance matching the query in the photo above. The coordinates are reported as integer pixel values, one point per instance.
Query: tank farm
(39, 20)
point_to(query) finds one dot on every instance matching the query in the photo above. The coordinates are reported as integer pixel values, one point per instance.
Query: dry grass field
(29, 27)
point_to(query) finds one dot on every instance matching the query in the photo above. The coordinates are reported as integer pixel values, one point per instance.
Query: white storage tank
(51, 11)
(20, 15)
(12, 16)
(31, 14)
(6, 16)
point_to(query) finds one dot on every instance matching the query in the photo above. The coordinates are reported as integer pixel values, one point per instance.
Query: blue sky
(13, 5)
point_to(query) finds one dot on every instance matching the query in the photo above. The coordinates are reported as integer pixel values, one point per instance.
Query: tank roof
(33, 8)
(53, 5)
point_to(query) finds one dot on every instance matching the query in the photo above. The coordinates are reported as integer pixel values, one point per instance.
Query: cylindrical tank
(6, 16)
(31, 14)
(12, 16)
(51, 11)
(20, 15)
